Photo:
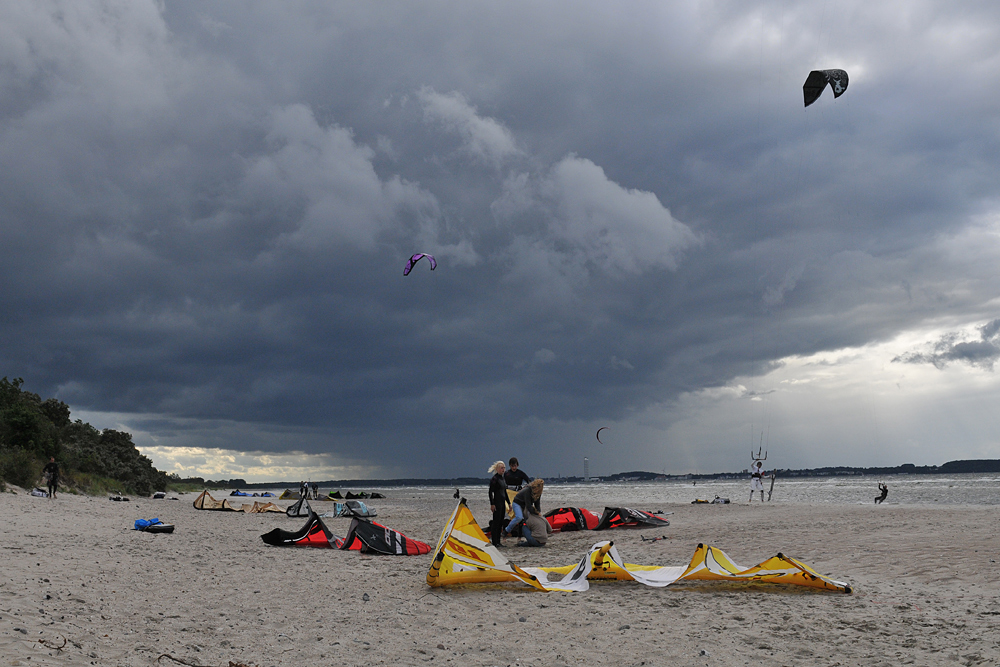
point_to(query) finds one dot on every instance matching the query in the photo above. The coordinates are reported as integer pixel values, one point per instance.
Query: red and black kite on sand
(364, 536)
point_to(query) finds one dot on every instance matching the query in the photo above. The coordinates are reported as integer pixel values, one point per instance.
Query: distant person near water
(885, 492)
(515, 478)
(51, 474)
(756, 480)
(315, 490)
(498, 500)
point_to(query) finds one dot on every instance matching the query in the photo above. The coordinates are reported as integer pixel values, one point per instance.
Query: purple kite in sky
(413, 262)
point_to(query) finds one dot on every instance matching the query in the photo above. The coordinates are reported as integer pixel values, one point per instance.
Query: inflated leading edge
(464, 556)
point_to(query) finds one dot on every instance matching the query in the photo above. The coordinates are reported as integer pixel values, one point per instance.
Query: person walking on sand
(756, 480)
(51, 474)
(498, 500)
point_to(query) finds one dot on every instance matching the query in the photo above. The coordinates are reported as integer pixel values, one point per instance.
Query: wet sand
(926, 582)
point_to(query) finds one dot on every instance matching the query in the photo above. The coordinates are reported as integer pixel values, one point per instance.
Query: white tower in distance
(586, 469)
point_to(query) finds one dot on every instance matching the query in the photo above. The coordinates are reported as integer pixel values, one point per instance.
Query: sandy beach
(926, 582)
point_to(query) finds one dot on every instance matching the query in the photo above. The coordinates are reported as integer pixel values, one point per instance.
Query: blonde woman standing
(498, 500)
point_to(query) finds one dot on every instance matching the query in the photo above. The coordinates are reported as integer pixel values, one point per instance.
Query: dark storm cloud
(207, 208)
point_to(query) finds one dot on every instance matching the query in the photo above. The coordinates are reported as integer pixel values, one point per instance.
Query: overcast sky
(207, 207)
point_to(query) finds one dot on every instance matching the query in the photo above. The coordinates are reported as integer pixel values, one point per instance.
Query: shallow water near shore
(961, 489)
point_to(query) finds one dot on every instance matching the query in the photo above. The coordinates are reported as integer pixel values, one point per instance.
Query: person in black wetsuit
(51, 474)
(885, 492)
(498, 500)
(514, 477)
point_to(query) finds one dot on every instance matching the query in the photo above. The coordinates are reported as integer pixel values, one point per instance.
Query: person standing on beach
(756, 480)
(515, 478)
(51, 474)
(498, 500)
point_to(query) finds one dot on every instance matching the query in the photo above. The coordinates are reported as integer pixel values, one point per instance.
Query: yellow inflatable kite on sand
(465, 556)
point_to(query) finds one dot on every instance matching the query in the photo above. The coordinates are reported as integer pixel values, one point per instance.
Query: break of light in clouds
(207, 209)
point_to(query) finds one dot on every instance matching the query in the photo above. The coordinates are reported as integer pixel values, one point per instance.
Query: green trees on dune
(32, 430)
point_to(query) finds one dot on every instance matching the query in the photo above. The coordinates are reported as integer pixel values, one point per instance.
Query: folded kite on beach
(566, 519)
(313, 534)
(576, 518)
(261, 508)
(364, 536)
(288, 494)
(371, 537)
(205, 501)
(464, 555)
(620, 517)
(301, 508)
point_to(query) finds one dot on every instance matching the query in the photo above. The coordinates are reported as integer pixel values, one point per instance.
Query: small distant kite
(817, 81)
(603, 428)
(416, 258)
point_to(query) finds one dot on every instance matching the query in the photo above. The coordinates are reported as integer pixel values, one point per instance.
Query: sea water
(963, 489)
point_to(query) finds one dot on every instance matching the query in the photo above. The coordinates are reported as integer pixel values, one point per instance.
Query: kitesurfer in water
(885, 492)
(756, 480)
(515, 478)
(51, 474)
(498, 500)
(526, 501)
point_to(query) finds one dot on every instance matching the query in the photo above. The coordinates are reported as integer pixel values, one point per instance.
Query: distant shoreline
(949, 468)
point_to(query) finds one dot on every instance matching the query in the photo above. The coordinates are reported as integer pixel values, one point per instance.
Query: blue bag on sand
(143, 524)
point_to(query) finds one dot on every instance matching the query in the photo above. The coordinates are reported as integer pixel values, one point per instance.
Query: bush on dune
(32, 430)
(19, 467)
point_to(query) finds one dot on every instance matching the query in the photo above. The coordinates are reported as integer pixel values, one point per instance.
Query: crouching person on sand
(526, 502)
(535, 530)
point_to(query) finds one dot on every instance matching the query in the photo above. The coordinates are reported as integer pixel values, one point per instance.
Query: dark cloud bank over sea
(207, 209)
